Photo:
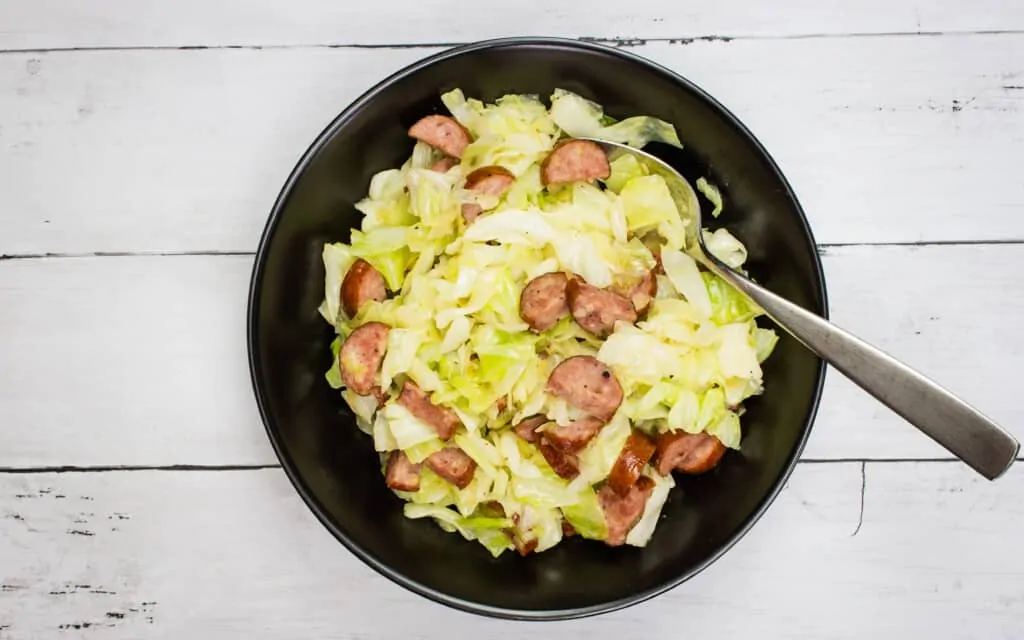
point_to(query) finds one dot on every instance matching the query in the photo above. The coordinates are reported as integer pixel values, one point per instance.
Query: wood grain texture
(885, 139)
(120, 23)
(157, 554)
(141, 360)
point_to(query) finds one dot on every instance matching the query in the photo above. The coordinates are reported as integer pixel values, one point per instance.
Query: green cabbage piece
(711, 192)
(581, 118)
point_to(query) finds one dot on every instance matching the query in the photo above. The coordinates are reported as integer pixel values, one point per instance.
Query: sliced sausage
(597, 310)
(444, 133)
(401, 473)
(622, 512)
(688, 452)
(441, 419)
(492, 180)
(565, 464)
(471, 211)
(527, 429)
(575, 435)
(630, 463)
(382, 397)
(575, 161)
(567, 529)
(543, 301)
(360, 357)
(444, 164)
(452, 464)
(587, 384)
(643, 293)
(362, 284)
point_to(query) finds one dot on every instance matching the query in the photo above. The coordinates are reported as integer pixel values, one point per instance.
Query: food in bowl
(525, 333)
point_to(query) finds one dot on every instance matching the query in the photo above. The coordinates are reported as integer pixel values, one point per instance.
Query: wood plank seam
(619, 42)
(823, 248)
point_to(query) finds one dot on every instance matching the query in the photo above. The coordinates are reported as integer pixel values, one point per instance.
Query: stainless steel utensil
(960, 428)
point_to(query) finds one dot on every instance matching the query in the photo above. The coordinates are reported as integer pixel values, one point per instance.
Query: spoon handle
(960, 428)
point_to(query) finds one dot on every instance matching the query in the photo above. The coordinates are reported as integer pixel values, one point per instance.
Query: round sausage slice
(441, 419)
(622, 512)
(527, 429)
(597, 310)
(587, 384)
(452, 464)
(360, 357)
(543, 301)
(362, 284)
(688, 452)
(575, 435)
(630, 463)
(444, 164)
(444, 133)
(401, 473)
(565, 464)
(492, 180)
(575, 161)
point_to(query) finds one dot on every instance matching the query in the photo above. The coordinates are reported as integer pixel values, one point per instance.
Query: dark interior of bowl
(333, 464)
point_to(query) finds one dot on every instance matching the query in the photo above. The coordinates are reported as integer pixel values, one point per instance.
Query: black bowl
(333, 465)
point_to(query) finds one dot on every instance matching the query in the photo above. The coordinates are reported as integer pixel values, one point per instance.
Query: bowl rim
(254, 357)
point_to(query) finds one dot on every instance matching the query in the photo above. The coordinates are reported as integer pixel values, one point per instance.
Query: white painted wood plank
(52, 23)
(128, 361)
(141, 360)
(884, 139)
(236, 553)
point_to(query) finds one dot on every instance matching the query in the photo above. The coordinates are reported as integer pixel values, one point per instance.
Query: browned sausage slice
(441, 419)
(565, 464)
(688, 452)
(362, 284)
(360, 357)
(622, 512)
(630, 463)
(492, 180)
(597, 310)
(575, 161)
(401, 473)
(452, 464)
(587, 384)
(543, 301)
(575, 435)
(471, 211)
(444, 164)
(527, 429)
(567, 529)
(643, 292)
(443, 133)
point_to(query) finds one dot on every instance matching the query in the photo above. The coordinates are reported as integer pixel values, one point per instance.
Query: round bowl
(333, 465)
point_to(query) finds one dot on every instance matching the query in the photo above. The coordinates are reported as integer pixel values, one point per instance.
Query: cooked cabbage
(456, 332)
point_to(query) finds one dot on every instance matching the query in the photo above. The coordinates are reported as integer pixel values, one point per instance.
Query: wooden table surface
(142, 145)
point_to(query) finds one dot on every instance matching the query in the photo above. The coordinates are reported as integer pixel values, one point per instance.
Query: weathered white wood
(141, 360)
(236, 554)
(119, 23)
(885, 139)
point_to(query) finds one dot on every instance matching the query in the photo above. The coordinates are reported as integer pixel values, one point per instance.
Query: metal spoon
(960, 428)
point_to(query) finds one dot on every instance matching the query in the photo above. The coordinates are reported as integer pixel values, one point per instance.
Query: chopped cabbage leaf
(711, 192)
(581, 118)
